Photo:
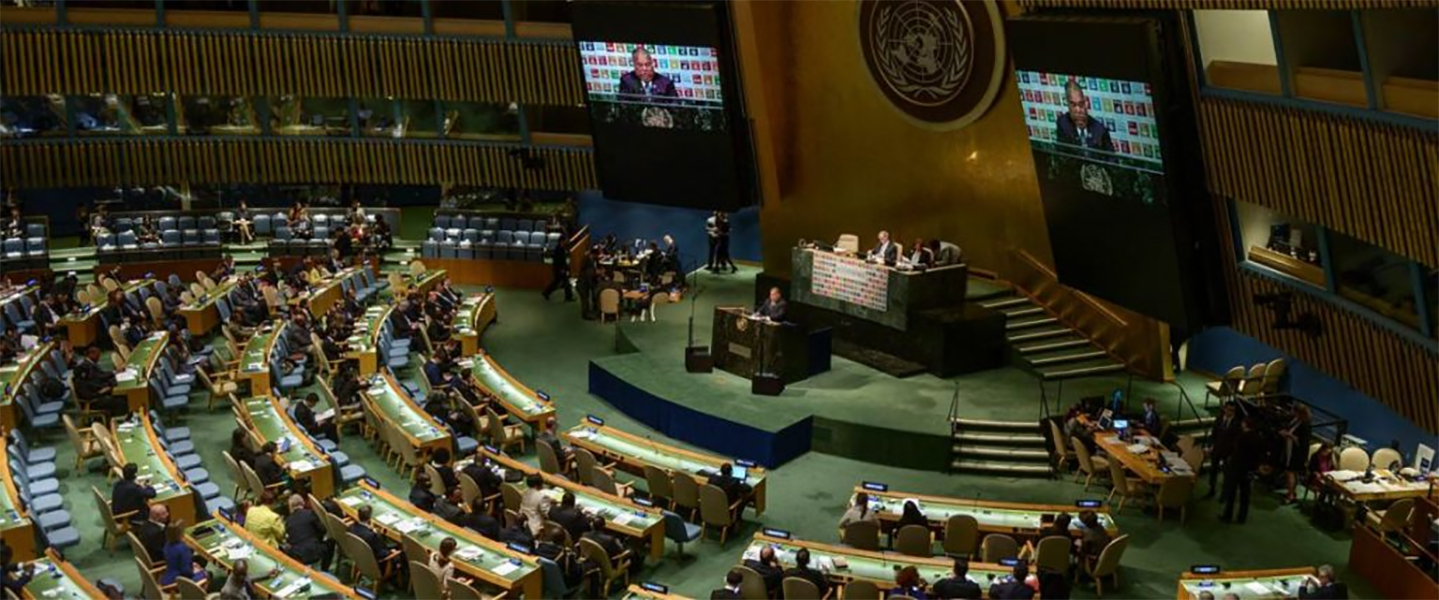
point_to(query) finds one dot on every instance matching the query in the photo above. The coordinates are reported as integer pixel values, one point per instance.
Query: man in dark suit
(767, 565)
(267, 466)
(151, 533)
(1013, 587)
(568, 516)
(801, 570)
(361, 529)
(448, 506)
(306, 417)
(559, 273)
(488, 481)
(730, 591)
(129, 496)
(306, 535)
(643, 82)
(1239, 469)
(46, 317)
(1327, 587)
(1075, 127)
(1222, 439)
(885, 251)
(734, 489)
(774, 306)
(96, 385)
(481, 521)
(958, 586)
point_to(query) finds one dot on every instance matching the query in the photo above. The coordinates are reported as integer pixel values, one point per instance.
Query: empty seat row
(34, 230)
(33, 472)
(491, 223)
(496, 250)
(165, 223)
(488, 237)
(24, 247)
(170, 238)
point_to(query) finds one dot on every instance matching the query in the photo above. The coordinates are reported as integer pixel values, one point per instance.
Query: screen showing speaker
(665, 114)
(1093, 102)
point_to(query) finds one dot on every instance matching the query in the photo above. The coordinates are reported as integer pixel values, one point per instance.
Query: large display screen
(1092, 96)
(665, 114)
(654, 85)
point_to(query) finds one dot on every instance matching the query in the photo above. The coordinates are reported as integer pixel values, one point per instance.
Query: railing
(1141, 343)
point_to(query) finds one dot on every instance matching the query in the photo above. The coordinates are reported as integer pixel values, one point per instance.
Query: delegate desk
(135, 440)
(872, 291)
(201, 315)
(388, 402)
(267, 422)
(1385, 486)
(1268, 583)
(623, 517)
(745, 345)
(521, 402)
(1142, 457)
(56, 579)
(365, 341)
(83, 327)
(12, 379)
(651, 591)
(223, 542)
(865, 565)
(471, 318)
(16, 528)
(427, 281)
(255, 358)
(634, 453)
(324, 294)
(133, 383)
(1012, 518)
(475, 556)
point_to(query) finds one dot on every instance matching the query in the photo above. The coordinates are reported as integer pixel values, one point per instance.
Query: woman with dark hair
(443, 566)
(908, 583)
(240, 447)
(180, 559)
(911, 516)
(859, 511)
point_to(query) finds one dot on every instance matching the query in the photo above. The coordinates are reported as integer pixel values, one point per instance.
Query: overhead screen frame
(1140, 48)
(691, 169)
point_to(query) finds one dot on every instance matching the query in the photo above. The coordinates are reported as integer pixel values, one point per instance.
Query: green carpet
(548, 346)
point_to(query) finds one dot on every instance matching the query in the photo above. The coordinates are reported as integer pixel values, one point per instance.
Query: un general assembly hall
(752, 299)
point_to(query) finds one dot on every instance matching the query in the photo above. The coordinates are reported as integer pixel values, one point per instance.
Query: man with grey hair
(885, 251)
(643, 83)
(1324, 585)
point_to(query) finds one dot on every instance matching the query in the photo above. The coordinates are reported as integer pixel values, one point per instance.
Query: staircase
(1013, 448)
(1044, 346)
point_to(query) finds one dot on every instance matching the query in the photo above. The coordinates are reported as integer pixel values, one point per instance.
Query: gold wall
(834, 157)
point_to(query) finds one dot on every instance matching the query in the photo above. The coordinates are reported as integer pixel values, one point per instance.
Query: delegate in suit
(1075, 127)
(643, 83)
(773, 307)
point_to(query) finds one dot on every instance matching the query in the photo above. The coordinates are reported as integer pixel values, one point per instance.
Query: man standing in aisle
(1238, 471)
(712, 234)
(560, 272)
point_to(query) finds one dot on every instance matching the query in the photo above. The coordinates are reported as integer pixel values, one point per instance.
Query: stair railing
(1184, 400)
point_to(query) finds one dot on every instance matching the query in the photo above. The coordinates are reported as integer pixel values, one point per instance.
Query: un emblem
(939, 62)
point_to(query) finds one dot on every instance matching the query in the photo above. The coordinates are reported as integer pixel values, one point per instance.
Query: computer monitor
(1106, 418)
(740, 472)
(1121, 424)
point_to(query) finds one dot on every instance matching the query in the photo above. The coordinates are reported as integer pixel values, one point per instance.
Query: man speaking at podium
(773, 307)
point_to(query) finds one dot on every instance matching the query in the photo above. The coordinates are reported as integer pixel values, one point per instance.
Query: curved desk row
(56, 579)
(268, 422)
(634, 453)
(1268, 583)
(843, 564)
(83, 327)
(387, 401)
(137, 443)
(12, 379)
(622, 516)
(1019, 519)
(475, 556)
(223, 543)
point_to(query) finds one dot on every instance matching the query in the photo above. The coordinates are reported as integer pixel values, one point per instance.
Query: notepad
(294, 586)
(388, 518)
(124, 377)
(623, 518)
(468, 554)
(325, 415)
(505, 568)
(238, 553)
(410, 525)
(352, 501)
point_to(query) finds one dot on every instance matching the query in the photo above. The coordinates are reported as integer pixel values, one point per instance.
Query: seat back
(1273, 372)
(1081, 452)
(364, 557)
(549, 462)
(752, 586)
(658, 482)
(149, 587)
(585, 465)
(602, 481)
(1194, 456)
(1109, 558)
(799, 587)
(1386, 457)
(914, 540)
(997, 547)
(437, 483)
(863, 535)
(469, 490)
(415, 553)
(142, 556)
(1396, 517)
(460, 590)
(848, 242)
(686, 491)
(1062, 448)
(189, 590)
(1052, 553)
(861, 590)
(610, 301)
(1353, 458)
(714, 506)
(1116, 476)
(597, 556)
(511, 495)
(1175, 492)
(961, 532)
(107, 516)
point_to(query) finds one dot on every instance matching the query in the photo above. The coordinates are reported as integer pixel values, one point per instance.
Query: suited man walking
(1222, 439)
(559, 273)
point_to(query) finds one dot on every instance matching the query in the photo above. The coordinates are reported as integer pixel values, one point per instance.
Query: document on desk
(622, 519)
(505, 568)
(388, 519)
(1258, 588)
